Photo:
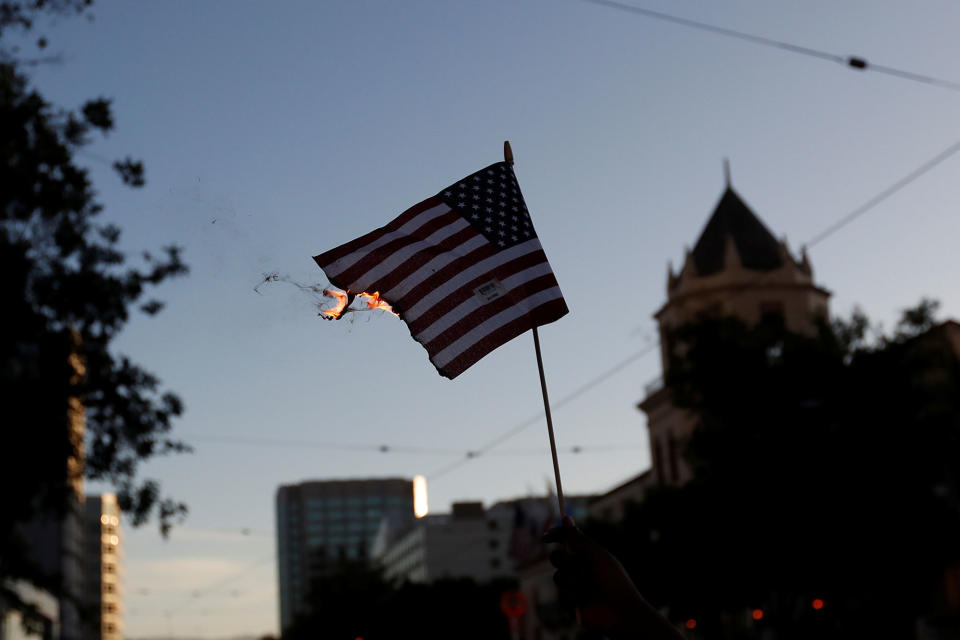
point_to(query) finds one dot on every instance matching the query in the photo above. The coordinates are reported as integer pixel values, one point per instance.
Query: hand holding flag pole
(508, 158)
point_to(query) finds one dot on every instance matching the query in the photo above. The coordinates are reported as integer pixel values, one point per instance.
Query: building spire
(726, 172)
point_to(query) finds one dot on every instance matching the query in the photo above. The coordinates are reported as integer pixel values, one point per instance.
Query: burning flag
(344, 299)
(464, 269)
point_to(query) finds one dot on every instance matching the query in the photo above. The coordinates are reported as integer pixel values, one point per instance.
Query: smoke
(324, 298)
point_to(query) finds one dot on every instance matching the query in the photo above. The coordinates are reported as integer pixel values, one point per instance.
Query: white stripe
(483, 267)
(387, 266)
(407, 284)
(472, 304)
(339, 266)
(467, 340)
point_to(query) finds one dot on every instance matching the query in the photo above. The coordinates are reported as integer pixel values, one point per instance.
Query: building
(53, 536)
(103, 570)
(736, 269)
(466, 543)
(322, 524)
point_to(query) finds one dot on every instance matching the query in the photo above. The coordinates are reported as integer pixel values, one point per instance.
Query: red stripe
(424, 256)
(500, 272)
(436, 280)
(544, 314)
(331, 256)
(487, 311)
(378, 255)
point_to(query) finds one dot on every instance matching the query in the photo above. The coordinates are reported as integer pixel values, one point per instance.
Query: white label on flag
(490, 291)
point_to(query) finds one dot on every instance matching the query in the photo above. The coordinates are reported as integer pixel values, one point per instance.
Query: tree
(825, 469)
(68, 290)
(354, 600)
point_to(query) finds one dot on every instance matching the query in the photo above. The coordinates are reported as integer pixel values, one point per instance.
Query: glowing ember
(335, 311)
(344, 298)
(374, 301)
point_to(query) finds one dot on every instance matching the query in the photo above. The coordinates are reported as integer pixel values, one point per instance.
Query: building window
(492, 525)
(493, 543)
(494, 563)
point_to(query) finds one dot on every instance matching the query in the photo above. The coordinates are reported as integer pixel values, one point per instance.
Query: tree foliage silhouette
(825, 468)
(68, 290)
(354, 600)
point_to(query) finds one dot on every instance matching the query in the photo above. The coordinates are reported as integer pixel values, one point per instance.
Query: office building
(103, 568)
(466, 543)
(323, 524)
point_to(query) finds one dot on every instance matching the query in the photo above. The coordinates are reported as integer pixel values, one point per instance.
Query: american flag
(464, 269)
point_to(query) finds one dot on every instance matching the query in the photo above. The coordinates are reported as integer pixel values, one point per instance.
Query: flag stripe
(487, 314)
(458, 290)
(519, 310)
(472, 305)
(436, 289)
(438, 264)
(457, 243)
(547, 312)
(331, 256)
(365, 274)
(349, 268)
(427, 289)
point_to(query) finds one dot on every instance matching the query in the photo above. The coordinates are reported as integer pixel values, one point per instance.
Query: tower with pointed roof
(737, 269)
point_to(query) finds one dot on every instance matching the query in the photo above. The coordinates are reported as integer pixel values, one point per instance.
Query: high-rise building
(103, 568)
(321, 524)
(53, 536)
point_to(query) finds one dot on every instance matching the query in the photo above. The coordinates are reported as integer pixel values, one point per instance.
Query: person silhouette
(590, 578)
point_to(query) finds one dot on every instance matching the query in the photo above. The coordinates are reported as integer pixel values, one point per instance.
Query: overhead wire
(854, 62)
(385, 448)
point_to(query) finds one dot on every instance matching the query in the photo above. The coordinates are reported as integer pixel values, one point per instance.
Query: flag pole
(508, 157)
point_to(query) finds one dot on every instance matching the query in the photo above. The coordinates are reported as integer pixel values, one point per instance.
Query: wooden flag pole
(508, 157)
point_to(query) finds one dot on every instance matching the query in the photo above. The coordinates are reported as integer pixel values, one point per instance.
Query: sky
(273, 131)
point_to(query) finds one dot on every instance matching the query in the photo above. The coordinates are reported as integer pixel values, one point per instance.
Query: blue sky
(271, 132)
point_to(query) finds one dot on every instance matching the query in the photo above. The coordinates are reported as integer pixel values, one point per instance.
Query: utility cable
(854, 62)
(383, 448)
